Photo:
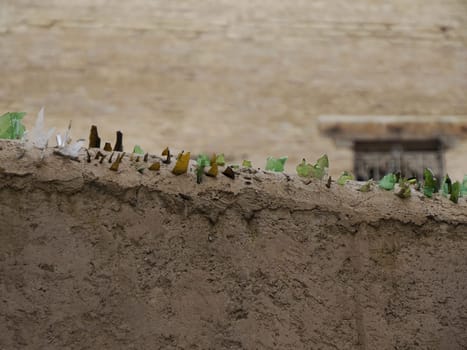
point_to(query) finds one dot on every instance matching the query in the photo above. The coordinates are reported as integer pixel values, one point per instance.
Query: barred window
(391, 144)
(374, 159)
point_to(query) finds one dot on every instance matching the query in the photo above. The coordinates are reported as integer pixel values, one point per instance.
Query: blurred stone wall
(246, 77)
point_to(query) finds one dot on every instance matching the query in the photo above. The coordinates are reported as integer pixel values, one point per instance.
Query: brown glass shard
(119, 143)
(94, 139)
(328, 184)
(213, 171)
(111, 156)
(155, 166)
(98, 155)
(229, 172)
(108, 147)
(117, 162)
(146, 157)
(115, 165)
(181, 166)
(166, 152)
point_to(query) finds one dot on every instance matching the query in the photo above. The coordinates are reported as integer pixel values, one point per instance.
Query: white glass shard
(72, 149)
(59, 141)
(63, 141)
(39, 136)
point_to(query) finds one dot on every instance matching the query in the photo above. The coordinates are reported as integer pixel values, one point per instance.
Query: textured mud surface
(92, 259)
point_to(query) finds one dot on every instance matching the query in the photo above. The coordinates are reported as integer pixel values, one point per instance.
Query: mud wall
(91, 259)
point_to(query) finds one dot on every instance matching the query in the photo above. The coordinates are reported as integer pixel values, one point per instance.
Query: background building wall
(245, 77)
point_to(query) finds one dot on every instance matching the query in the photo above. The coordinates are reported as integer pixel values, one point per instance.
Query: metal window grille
(374, 159)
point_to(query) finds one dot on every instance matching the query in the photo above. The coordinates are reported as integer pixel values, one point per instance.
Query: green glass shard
(404, 189)
(201, 162)
(455, 192)
(366, 187)
(11, 126)
(199, 175)
(430, 185)
(304, 169)
(323, 162)
(275, 164)
(464, 186)
(317, 170)
(138, 150)
(345, 176)
(446, 186)
(388, 181)
(220, 159)
(247, 164)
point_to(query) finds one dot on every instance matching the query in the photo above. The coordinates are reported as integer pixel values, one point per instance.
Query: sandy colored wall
(92, 259)
(244, 77)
